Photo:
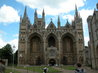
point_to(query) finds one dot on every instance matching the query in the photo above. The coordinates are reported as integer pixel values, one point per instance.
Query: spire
(51, 19)
(76, 11)
(67, 23)
(20, 19)
(58, 22)
(25, 12)
(35, 14)
(43, 13)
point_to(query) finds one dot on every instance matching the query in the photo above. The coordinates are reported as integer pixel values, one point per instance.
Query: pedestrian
(2, 67)
(45, 70)
(79, 68)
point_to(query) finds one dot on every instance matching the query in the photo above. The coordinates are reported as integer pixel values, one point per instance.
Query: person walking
(79, 68)
(45, 70)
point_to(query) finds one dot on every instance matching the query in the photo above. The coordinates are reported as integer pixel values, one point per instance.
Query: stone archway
(67, 44)
(68, 49)
(52, 62)
(52, 40)
(35, 49)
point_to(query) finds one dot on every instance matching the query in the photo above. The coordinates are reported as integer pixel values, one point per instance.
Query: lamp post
(13, 58)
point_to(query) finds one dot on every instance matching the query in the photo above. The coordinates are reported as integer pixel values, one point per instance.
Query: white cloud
(69, 17)
(16, 35)
(13, 42)
(2, 43)
(8, 14)
(53, 7)
(86, 39)
(84, 13)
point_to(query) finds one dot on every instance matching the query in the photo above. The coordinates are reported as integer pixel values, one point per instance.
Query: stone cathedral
(40, 45)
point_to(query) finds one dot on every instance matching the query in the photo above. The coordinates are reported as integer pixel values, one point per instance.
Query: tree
(7, 53)
(16, 57)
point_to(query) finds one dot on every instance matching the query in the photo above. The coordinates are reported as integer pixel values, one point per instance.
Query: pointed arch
(68, 48)
(36, 42)
(67, 43)
(35, 48)
(51, 40)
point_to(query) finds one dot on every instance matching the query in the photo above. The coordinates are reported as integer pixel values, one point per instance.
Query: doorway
(52, 62)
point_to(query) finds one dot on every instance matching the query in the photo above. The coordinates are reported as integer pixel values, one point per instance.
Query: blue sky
(11, 10)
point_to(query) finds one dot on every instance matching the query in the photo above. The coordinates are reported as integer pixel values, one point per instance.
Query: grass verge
(68, 67)
(39, 69)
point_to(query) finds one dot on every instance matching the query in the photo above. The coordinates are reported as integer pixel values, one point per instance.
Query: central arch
(52, 62)
(52, 40)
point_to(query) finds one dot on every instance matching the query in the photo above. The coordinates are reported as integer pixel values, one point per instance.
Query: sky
(11, 10)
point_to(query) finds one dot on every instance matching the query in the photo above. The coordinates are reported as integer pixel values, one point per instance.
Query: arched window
(36, 44)
(67, 44)
(51, 41)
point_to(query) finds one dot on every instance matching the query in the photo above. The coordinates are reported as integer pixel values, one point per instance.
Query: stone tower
(93, 33)
(52, 45)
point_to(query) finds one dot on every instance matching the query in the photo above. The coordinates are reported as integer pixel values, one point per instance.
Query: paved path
(89, 70)
(24, 71)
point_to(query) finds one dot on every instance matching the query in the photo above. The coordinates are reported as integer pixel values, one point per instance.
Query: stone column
(60, 51)
(44, 40)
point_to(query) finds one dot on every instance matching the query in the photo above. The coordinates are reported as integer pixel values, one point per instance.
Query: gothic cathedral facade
(40, 45)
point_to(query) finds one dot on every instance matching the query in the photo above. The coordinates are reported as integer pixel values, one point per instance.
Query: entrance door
(52, 62)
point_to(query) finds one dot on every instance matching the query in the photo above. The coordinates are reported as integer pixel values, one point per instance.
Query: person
(2, 67)
(45, 70)
(79, 68)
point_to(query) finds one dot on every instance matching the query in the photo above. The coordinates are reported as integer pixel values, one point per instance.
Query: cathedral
(51, 45)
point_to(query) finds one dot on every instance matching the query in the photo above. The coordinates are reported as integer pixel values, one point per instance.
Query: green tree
(16, 57)
(7, 53)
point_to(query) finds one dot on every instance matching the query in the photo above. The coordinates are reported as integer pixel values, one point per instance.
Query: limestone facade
(51, 45)
(93, 33)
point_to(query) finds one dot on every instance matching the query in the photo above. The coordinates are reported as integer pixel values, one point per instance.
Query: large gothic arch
(68, 49)
(35, 46)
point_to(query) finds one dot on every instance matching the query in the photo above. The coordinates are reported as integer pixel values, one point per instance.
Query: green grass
(68, 67)
(10, 70)
(39, 69)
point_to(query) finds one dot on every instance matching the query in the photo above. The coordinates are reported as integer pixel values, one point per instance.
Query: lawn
(68, 67)
(39, 69)
(10, 70)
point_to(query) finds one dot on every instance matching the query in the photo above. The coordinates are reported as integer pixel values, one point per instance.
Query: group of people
(78, 69)
(2, 66)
